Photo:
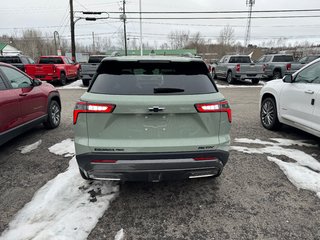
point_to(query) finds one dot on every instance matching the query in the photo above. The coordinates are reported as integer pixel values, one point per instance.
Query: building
(6, 49)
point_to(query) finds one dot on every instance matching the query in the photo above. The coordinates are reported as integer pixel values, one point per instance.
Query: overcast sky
(49, 16)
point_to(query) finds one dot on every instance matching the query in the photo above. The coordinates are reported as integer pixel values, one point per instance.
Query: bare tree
(179, 39)
(226, 37)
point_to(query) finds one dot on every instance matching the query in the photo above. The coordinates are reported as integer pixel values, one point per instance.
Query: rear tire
(230, 79)
(269, 115)
(63, 79)
(85, 82)
(78, 77)
(54, 115)
(214, 75)
(276, 75)
(255, 81)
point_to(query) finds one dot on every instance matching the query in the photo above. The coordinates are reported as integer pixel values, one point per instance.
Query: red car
(54, 68)
(25, 102)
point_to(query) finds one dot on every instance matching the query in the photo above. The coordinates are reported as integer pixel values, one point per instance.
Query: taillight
(222, 106)
(54, 68)
(289, 66)
(85, 107)
(238, 68)
(264, 67)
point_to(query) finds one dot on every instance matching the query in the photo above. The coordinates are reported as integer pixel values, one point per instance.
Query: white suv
(293, 100)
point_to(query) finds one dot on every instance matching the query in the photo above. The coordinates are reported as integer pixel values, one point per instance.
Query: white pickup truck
(236, 68)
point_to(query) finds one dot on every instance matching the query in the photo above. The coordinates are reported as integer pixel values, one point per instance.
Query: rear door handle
(309, 92)
(23, 94)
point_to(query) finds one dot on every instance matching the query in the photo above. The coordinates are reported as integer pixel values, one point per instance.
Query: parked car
(275, 66)
(54, 68)
(25, 102)
(19, 61)
(89, 69)
(293, 100)
(150, 119)
(303, 61)
(236, 68)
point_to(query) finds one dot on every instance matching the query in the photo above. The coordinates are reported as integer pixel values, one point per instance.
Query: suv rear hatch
(154, 106)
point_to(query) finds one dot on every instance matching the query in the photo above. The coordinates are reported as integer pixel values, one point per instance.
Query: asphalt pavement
(252, 199)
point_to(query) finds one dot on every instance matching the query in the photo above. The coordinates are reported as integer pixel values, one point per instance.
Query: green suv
(151, 119)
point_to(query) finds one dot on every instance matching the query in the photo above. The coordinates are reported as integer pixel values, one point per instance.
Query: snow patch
(119, 235)
(277, 142)
(66, 148)
(299, 176)
(304, 172)
(301, 157)
(67, 207)
(31, 147)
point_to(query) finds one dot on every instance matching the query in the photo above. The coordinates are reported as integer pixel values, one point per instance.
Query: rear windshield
(50, 60)
(238, 59)
(10, 59)
(96, 59)
(152, 78)
(284, 58)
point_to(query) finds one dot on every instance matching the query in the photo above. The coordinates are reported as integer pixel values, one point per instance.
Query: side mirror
(36, 82)
(288, 78)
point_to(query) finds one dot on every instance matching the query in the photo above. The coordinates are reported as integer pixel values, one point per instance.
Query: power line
(221, 18)
(223, 25)
(223, 12)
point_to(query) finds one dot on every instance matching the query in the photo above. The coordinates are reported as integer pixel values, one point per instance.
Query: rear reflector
(85, 107)
(103, 161)
(222, 106)
(204, 158)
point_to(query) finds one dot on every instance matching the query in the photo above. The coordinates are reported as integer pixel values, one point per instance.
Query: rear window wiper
(167, 90)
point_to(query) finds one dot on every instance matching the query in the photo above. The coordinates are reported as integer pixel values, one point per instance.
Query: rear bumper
(47, 78)
(248, 76)
(152, 166)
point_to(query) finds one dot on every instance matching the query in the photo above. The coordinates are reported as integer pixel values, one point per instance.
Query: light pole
(57, 42)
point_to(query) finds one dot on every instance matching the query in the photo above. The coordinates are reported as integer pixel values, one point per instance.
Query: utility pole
(141, 50)
(249, 3)
(73, 44)
(124, 18)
